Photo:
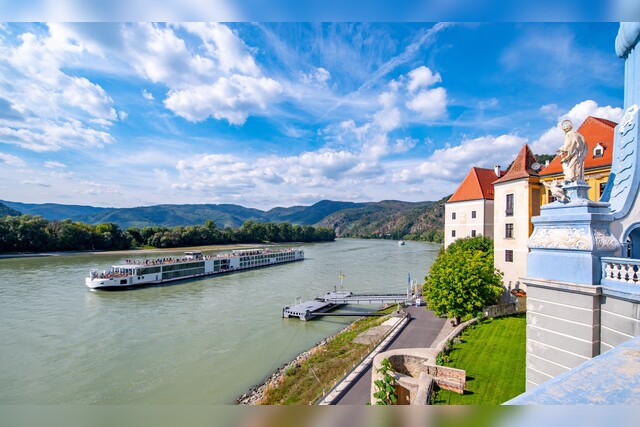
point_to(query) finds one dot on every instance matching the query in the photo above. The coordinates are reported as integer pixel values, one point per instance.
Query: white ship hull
(153, 272)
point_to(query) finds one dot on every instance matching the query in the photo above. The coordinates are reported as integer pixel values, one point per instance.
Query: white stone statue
(556, 191)
(573, 153)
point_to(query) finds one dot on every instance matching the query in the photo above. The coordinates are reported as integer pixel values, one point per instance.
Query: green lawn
(493, 355)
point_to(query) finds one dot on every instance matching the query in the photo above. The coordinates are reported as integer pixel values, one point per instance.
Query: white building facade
(469, 211)
(517, 199)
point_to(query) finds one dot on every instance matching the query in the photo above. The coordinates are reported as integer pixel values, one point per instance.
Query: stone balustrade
(620, 270)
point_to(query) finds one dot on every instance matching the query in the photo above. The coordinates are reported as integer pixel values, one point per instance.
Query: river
(202, 341)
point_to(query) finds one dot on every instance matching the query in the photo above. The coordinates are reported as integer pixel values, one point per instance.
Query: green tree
(462, 281)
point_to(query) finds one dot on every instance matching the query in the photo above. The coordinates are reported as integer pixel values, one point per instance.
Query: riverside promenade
(422, 331)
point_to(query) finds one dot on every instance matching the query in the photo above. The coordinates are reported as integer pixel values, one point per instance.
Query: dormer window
(598, 150)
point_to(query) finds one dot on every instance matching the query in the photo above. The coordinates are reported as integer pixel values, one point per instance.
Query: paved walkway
(423, 330)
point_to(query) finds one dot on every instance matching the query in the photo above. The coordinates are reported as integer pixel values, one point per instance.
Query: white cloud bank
(553, 138)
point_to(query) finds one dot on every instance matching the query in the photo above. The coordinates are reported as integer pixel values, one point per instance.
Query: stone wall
(619, 319)
(416, 371)
(500, 310)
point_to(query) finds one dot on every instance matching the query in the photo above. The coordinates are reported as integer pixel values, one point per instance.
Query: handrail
(620, 270)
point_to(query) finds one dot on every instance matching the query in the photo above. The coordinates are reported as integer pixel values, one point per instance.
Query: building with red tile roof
(598, 134)
(469, 211)
(517, 199)
(477, 185)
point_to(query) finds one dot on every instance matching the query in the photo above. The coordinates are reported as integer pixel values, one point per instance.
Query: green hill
(391, 219)
(173, 215)
(53, 211)
(309, 214)
(6, 210)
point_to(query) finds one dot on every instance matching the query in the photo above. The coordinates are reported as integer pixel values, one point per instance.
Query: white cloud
(553, 138)
(550, 110)
(225, 46)
(422, 77)
(405, 144)
(51, 136)
(232, 99)
(56, 109)
(89, 97)
(97, 189)
(40, 87)
(453, 163)
(429, 103)
(389, 117)
(318, 75)
(147, 95)
(36, 182)
(51, 164)
(158, 54)
(11, 160)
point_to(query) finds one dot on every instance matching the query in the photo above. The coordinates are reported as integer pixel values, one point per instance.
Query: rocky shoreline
(255, 395)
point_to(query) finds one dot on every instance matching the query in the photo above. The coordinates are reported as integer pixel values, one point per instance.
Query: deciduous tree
(463, 281)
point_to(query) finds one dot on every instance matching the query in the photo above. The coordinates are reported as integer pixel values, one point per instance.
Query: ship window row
(182, 273)
(183, 266)
(148, 270)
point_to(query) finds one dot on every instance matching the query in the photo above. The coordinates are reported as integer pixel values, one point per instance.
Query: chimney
(546, 163)
(496, 169)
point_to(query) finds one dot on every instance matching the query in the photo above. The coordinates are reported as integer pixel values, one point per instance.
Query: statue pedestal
(569, 238)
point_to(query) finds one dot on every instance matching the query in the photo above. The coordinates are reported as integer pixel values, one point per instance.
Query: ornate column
(569, 238)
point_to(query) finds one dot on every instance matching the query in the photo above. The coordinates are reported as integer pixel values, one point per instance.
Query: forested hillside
(390, 219)
(6, 210)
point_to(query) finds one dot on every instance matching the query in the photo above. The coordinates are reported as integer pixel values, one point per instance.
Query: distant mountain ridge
(53, 211)
(6, 210)
(386, 219)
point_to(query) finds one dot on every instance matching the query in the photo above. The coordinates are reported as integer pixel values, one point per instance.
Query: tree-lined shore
(29, 233)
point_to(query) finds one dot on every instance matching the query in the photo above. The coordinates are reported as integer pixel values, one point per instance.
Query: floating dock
(331, 300)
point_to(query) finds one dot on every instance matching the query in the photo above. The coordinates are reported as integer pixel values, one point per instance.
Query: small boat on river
(135, 273)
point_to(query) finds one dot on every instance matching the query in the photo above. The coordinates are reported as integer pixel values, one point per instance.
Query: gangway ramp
(367, 298)
(331, 300)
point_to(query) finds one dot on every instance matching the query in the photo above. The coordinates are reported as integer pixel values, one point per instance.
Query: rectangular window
(603, 185)
(508, 231)
(509, 207)
(508, 255)
(453, 215)
(473, 233)
(473, 214)
(453, 233)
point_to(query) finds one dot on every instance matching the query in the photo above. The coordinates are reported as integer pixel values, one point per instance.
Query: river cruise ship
(135, 273)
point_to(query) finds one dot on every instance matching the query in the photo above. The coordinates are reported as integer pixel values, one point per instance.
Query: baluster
(618, 272)
(605, 270)
(636, 274)
(612, 267)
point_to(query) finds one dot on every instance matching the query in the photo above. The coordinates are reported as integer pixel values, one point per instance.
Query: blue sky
(265, 115)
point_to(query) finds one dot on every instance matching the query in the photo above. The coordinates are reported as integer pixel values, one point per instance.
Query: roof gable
(595, 131)
(476, 185)
(521, 167)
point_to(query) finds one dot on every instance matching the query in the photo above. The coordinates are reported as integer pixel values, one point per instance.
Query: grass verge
(493, 354)
(306, 383)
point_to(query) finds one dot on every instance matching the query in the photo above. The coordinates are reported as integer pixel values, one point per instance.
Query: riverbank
(256, 394)
(146, 251)
(313, 372)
